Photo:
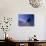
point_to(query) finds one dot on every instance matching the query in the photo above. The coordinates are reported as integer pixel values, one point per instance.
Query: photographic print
(26, 20)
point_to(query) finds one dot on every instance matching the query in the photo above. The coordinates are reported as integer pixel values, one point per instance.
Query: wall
(11, 8)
